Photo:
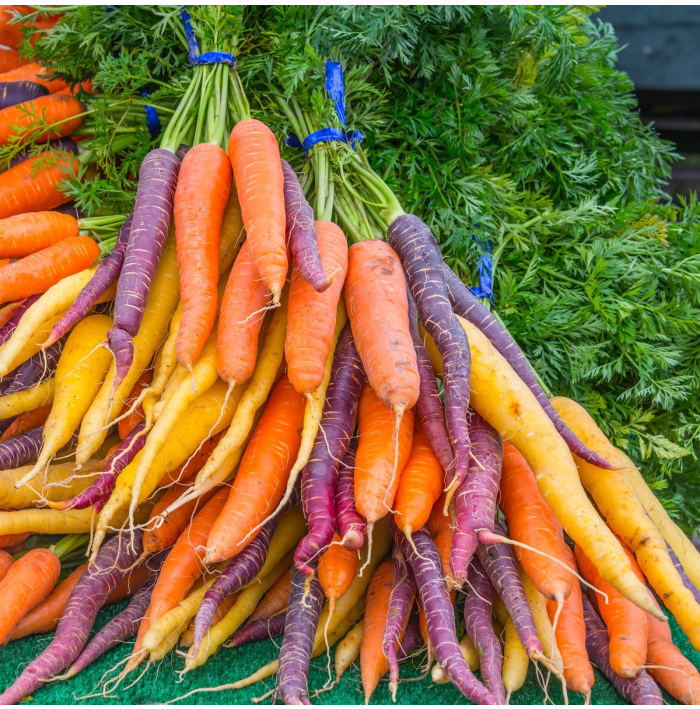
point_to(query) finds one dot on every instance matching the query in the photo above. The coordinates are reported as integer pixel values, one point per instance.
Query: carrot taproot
(192, 465)
(22, 401)
(8, 541)
(187, 638)
(262, 476)
(255, 158)
(37, 272)
(8, 313)
(441, 529)
(11, 59)
(23, 234)
(26, 422)
(275, 600)
(11, 34)
(336, 570)
(311, 315)
(44, 118)
(6, 562)
(128, 423)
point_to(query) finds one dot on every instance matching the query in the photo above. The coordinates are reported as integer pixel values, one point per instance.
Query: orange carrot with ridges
(275, 600)
(58, 113)
(37, 74)
(10, 59)
(336, 571)
(6, 562)
(23, 234)
(11, 540)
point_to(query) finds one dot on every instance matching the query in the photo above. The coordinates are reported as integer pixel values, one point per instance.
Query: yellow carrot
(22, 401)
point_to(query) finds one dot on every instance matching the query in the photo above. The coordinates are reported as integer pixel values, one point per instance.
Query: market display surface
(259, 439)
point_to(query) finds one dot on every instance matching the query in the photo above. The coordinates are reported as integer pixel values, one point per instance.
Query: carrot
(628, 626)
(375, 295)
(29, 581)
(127, 424)
(10, 59)
(242, 314)
(39, 271)
(192, 465)
(262, 477)
(59, 114)
(26, 422)
(336, 571)
(441, 530)
(36, 73)
(12, 540)
(378, 464)
(7, 314)
(187, 637)
(198, 217)
(531, 522)
(420, 484)
(255, 158)
(6, 562)
(23, 234)
(311, 317)
(275, 600)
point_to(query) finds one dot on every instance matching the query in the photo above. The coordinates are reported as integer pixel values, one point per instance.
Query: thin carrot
(262, 476)
(36, 73)
(336, 571)
(26, 422)
(23, 234)
(42, 119)
(441, 530)
(8, 311)
(38, 272)
(198, 217)
(11, 59)
(312, 315)
(255, 157)
(275, 600)
(127, 424)
(34, 184)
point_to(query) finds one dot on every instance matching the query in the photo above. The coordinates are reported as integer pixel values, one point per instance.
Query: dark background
(661, 55)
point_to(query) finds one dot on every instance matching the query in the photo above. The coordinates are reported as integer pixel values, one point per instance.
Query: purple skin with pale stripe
(91, 591)
(15, 92)
(469, 307)
(475, 500)
(66, 144)
(424, 560)
(24, 449)
(301, 231)
(318, 481)
(422, 262)
(9, 327)
(412, 639)
(259, 629)
(36, 369)
(639, 690)
(684, 577)
(151, 220)
(478, 609)
(105, 274)
(304, 608)
(241, 570)
(98, 493)
(400, 603)
(351, 525)
(429, 404)
(498, 561)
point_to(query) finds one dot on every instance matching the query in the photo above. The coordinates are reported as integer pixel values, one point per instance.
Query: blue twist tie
(485, 287)
(152, 120)
(336, 88)
(193, 55)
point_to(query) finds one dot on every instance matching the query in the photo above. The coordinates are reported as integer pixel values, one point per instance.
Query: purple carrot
(638, 690)
(24, 449)
(301, 231)
(9, 327)
(241, 570)
(424, 560)
(259, 629)
(351, 525)
(14, 92)
(412, 639)
(151, 220)
(105, 274)
(99, 491)
(318, 480)
(422, 262)
(469, 307)
(498, 561)
(400, 603)
(111, 566)
(684, 577)
(478, 609)
(37, 368)
(475, 501)
(66, 144)
(429, 405)
(304, 608)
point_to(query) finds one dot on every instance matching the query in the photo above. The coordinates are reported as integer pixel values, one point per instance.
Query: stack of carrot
(250, 426)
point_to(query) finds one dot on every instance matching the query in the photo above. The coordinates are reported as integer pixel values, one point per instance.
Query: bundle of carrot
(269, 432)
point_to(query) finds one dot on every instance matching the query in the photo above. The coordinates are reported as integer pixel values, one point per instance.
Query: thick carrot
(275, 600)
(11, 33)
(39, 271)
(10, 59)
(336, 571)
(29, 581)
(312, 315)
(198, 217)
(23, 234)
(11, 540)
(379, 461)
(26, 422)
(6, 562)
(262, 476)
(375, 295)
(44, 118)
(255, 157)
(127, 424)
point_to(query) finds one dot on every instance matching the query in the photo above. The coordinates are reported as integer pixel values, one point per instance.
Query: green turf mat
(161, 682)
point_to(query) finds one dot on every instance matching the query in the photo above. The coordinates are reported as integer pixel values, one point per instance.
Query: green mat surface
(161, 682)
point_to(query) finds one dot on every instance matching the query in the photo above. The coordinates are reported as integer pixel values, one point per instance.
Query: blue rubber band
(485, 287)
(193, 55)
(152, 120)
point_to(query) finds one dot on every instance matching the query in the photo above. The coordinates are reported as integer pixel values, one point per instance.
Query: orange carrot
(11, 540)
(628, 626)
(311, 316)
(30, 579)
(126, 425)
(24, 234)
(192, 465)
(10, 59)
(275, 600)
(58, 113)
(373, 663)
(6, 562)
(23, 423)
(37, 272)
(198, 216)
(336, 571)
(375, 295)
(7, 311)
(420, 484)
(441, 530)
(531, 522)
(379, 462)
(240, 320)
(4, 262)
(262, 476)
(34, 184)
(37, 74)
(255, 157)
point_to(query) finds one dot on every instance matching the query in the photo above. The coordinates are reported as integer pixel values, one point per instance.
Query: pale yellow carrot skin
(470, 654)
(515, 660)
(22, 401)
(348, 650)
(33, 344)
